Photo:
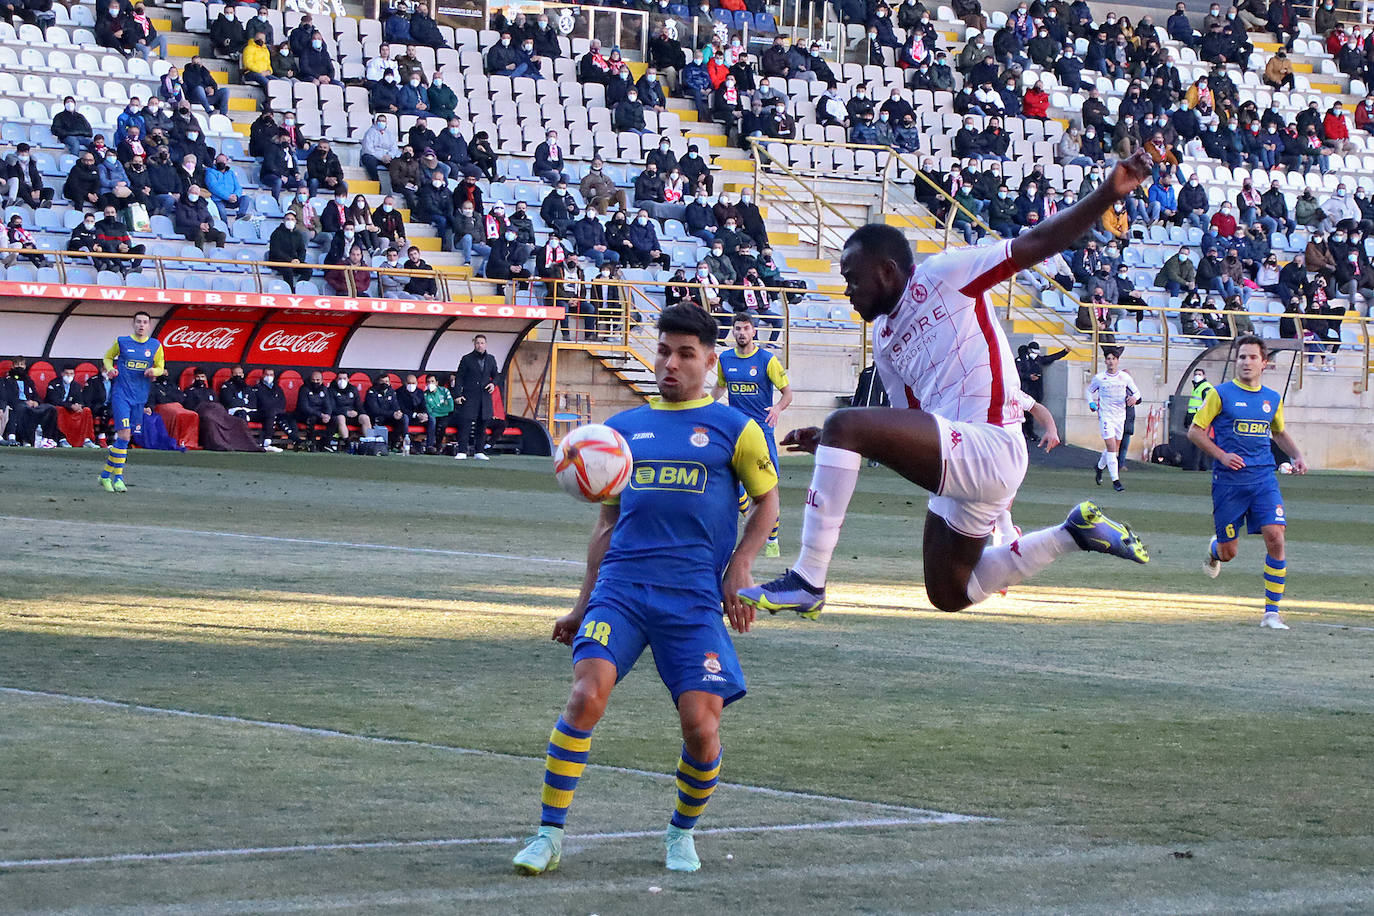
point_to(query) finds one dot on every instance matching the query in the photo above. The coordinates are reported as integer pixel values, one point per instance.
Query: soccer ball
(593, 463)
(1285, 468)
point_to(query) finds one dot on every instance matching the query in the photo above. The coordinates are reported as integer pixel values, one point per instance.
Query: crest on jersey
(147, 352)
(700, 437)
(753, 371)
(1266, 407)
(712, 663)
(919, 293)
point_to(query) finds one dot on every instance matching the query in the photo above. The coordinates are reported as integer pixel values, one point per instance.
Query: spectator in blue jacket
(398, 28)
(413, 98)
(695, 82)
(1163, 201)
(114, 181)
(226, 191)
(130, 116)
(316, 65)
(644, 243)
(589, 237)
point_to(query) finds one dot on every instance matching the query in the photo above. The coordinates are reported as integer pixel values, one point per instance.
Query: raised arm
(1054, 234)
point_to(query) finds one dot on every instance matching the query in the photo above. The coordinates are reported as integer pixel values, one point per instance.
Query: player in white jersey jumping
(942, 355)
(1109, 393)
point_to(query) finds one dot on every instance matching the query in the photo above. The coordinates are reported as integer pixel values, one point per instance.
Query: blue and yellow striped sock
(773, 535)
(567, 758)
(114, 460)
(744, 501)
(1275, 571)
(695, 783)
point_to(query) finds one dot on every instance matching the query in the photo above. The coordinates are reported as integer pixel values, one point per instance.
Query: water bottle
(405, 446)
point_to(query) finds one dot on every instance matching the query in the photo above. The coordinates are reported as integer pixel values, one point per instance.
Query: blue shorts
(126, 413)
(1256, 502)
(684, 627)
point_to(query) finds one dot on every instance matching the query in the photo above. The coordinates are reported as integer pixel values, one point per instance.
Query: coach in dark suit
(477, 377)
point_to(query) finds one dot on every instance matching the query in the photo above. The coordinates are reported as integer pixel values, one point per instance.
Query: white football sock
(1113, 468)
(1102, 459)
(1003, 531)
(1003, 567)
(832, 485)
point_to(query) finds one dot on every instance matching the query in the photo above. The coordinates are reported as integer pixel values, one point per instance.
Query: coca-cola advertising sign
(208, 341)
(296, 345)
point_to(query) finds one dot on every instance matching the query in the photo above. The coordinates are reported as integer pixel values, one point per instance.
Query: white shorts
(982, 467)
(1112, 425)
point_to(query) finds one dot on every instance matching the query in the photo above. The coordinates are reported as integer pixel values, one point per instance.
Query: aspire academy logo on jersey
(215, 338)
(280, 341)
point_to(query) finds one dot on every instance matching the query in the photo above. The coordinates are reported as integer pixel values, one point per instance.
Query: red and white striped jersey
(942, 350)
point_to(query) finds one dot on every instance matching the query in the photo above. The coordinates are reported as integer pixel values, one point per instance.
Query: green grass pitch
(1112, 738)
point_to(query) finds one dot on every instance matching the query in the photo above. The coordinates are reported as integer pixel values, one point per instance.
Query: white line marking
(1336, 626)
(572, 840)
(285, 540)
(927, 815)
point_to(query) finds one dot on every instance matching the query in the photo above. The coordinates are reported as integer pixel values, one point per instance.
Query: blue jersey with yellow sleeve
(750, 380)
(133, 357)
(679, 514)
(1242, 419)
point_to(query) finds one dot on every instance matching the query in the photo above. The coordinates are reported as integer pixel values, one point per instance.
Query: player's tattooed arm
(1056, 233)
(565, 627)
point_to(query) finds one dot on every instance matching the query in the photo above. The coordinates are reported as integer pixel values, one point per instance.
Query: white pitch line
(926, 815)
(286, 540)
(1337, 626)
(572, 840)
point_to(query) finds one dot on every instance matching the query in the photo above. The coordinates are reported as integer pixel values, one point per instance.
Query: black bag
(374, 447)
(870, 391)
(1166, 454)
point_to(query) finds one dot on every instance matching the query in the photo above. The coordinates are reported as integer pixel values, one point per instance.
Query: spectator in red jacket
(1337, 130)
(1224, 222)
(1036, 103)
(1364, 115)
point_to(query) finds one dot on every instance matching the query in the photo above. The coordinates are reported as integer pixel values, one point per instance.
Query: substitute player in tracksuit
(132, 362)
(750, 375)
(1245, 416)
(661, 563)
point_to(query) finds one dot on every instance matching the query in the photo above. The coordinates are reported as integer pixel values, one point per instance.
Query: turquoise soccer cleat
(119, 485)
(680, 849)
(1092, 530)
(788, 592)
(772, 550)
(542, 852)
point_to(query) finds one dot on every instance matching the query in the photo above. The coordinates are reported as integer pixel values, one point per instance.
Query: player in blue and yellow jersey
(750, 375)
(132, 362)
(661, 562)
(1244, 416)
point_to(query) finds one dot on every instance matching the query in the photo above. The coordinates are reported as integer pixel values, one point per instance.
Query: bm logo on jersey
(1258, 428)
(744, 387)
(681, 476)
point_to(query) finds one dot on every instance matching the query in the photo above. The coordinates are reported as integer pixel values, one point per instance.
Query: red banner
(208, 341)
(337, 304)
(297, 345)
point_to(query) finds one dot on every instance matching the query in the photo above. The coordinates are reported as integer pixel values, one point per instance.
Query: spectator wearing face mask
(286, 245)
(644, 245)
(269, 410)
(548, 160)
(226, 191)
(316, 64)
(599, 190)
(508, 259)
(75, 421)
(193, 220)
(628, 115)
(383, 409)
(71, 128)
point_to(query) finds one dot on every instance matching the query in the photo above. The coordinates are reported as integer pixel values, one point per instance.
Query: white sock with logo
(1011, 564)
(1102, 459)
(1113, 468)
(832, 485)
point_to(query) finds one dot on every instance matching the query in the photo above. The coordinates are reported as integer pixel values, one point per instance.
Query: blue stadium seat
(81, 274)
(162, 227)
(764, 24)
